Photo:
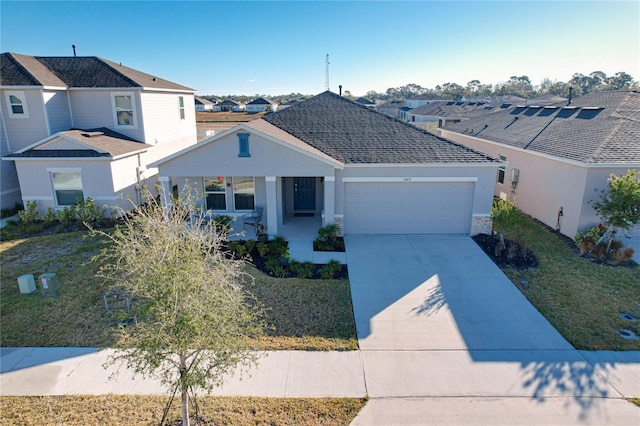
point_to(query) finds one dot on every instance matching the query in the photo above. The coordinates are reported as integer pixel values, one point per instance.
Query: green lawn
(304, 314)
(583, 300)
(147, 410)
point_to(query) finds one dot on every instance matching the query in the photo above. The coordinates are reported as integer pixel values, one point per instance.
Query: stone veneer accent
(339, 220)
(481, 224)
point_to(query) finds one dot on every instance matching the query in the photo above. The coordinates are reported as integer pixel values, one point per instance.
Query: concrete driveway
(439, 292)
(446, 338)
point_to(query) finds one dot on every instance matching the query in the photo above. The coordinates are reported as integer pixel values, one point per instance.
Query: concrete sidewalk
(283, 374)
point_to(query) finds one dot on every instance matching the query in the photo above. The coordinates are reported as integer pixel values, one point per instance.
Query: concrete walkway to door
(446, 338)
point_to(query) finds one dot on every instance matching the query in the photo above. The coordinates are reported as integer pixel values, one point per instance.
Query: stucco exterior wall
(544, 186)
(220, 158)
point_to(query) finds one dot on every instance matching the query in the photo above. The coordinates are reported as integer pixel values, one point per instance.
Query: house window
(181, 106)
(502, 170)
(125, 112)
(67, 187)
(17, 105)
(243, 192)
(215, 193)
(243, 142)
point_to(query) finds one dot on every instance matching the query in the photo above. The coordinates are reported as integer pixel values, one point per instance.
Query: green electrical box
(49, 286)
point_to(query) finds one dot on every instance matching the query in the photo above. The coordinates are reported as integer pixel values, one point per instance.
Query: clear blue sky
(269, 47)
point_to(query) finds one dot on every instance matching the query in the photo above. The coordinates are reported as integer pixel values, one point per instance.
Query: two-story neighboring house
(85, 126)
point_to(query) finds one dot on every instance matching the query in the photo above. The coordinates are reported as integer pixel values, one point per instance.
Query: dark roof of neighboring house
(85, 72)
(260, 101)
(427, 97)
(392, 104)
(601, 127)
(547, 99)
(455, 109)
(228, 102)
(353, 133)
(365, 101)
(101, 142)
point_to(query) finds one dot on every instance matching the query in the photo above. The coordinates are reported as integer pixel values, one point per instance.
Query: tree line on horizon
(521, 86)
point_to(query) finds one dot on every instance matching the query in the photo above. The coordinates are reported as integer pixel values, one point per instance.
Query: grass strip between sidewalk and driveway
(304, 314)
(583, 300)
(146, 410)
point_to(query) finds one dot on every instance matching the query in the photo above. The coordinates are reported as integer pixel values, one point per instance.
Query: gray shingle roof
(353, 133)
(427, 97)
(601, 127)
(101, 142)
(85, 72)
(260, 101)
(455, 109)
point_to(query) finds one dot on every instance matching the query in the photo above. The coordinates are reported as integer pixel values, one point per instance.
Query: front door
(304, 193)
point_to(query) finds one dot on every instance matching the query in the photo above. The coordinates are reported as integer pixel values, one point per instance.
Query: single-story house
(559, 156)
(331, 157)
(365, 102)
(203, 104)
(391, 108)
(420, 100)
(261, 105)
(228, 105)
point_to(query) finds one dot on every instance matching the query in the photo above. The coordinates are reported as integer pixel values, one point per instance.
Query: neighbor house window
(215, 193)
(502, 170)
(243, 142)
(124, 107)
(17, 105)
(181, 106)
(243, 192)
(67, 187)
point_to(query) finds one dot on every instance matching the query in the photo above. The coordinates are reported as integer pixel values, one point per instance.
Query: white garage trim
(409, 179)
(417, 206)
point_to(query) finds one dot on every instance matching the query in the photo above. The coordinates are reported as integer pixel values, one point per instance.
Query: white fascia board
(58, 158)
(548, 156)
(422, 165)
(409, 179)
(156, 89)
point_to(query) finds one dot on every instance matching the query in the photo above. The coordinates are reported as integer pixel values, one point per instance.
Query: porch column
(272, 206)
(329, 200)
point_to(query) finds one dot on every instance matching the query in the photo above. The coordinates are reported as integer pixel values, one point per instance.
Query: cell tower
(326, 82)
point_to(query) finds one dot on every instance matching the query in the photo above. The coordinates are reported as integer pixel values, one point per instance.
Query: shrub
(49, 217)
(67, 215)
(250, 245)
(301, 269)
(87, 211)
(330, 270)
(263, 248)
(278, 246)
(30, 214)
(273, 265)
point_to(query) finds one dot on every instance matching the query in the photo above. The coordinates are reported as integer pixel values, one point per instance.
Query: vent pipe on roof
(570, 93)
(340, 89)
(74, 50)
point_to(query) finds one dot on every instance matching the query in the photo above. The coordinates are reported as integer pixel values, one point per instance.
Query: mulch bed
(515, 256)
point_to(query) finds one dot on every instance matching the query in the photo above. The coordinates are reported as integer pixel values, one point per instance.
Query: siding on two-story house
(87, 93)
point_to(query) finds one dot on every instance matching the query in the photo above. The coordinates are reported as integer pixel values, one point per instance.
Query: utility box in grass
(49, 286)
(26, 283)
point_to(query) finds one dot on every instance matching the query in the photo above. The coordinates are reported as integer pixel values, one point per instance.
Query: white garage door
(408, 207)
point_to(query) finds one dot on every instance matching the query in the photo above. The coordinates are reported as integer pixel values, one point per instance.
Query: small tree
(503, 215)
(619, 204)
(191, 310)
